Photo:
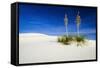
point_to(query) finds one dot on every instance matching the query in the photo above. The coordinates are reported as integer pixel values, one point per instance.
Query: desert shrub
(64, 39)
(67, 40)
(80, 39)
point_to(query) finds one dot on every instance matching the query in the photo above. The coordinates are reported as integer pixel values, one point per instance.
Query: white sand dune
(36, 48)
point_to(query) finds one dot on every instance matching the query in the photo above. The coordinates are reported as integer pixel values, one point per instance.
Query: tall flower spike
(78, 21)
(66, 23)
(66, 20)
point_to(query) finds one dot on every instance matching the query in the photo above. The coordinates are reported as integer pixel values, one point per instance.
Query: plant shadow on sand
(67, 40)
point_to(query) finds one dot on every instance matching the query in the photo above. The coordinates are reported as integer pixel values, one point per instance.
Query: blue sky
(50, 20)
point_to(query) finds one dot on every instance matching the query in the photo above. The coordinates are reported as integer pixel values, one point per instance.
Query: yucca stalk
(78, 21)
(66, 24)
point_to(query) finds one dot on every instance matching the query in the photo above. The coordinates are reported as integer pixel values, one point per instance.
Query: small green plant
(80, 38)
(64, 39)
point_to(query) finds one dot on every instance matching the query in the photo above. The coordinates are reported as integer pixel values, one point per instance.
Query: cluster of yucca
(65, 39)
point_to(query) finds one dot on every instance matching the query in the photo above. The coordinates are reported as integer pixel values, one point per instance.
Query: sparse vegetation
(67, 40)
(64, 39)
(80, 39)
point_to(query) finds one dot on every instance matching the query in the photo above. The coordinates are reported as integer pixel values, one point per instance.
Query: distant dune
(36, 48)
(36, 37)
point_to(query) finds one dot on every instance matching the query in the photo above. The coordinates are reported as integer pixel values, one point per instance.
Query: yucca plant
(64, 39)
(80, 40)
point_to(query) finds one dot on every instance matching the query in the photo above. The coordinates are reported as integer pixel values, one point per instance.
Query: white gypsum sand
(37, 48)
